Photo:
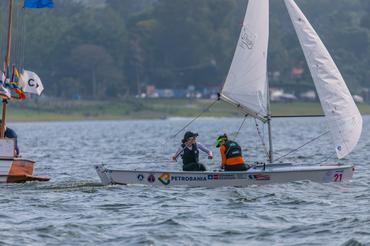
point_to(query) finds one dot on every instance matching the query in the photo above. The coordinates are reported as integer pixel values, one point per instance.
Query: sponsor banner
(188, 178)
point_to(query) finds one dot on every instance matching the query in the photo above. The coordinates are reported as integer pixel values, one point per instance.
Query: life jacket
(190, 155)
(232, 149)
(232, 153)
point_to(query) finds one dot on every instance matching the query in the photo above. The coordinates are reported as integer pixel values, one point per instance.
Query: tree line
(113, 48)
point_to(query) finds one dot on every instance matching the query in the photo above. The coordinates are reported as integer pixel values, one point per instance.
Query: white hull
(272, 174)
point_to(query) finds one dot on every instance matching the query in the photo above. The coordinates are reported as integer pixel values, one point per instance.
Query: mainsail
(342, 114)
(246, 83)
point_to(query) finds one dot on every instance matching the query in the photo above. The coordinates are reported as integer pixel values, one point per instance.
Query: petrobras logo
(165, 178)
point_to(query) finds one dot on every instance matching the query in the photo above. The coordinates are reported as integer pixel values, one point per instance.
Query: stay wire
(310, 141)
(197, 117)
(237, 133)
(261, 138)
(327, 158)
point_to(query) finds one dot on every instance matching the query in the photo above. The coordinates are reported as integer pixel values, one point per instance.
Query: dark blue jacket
(10, 133)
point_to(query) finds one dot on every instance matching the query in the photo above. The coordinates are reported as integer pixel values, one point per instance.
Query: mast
(270, 156)
(7, 63)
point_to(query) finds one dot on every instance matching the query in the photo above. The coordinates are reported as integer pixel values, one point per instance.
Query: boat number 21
(338, 177)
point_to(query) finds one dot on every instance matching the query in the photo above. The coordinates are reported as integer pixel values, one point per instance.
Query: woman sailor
(189, 152)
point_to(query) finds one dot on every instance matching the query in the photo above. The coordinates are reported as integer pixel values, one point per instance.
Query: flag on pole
(4, 92)
(2, 77)
(38, 4)
(31, 83)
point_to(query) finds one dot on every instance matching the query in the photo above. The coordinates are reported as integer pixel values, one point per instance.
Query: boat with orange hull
(14, 169)
(18, 170)
(15, 82)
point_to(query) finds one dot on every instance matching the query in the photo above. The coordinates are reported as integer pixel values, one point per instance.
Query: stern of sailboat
(14, 169)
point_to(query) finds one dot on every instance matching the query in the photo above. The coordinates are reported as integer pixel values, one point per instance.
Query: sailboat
(246, 87)
(13, 86)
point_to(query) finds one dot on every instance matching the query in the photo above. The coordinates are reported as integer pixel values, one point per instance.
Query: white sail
(246, 83)
(342, 114)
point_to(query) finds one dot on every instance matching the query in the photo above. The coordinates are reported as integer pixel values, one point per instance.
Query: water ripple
(75, 209)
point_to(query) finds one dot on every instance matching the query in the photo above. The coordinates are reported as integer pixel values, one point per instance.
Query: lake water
(74, 209)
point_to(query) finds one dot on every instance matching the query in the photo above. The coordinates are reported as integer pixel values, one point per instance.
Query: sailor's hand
(210, 157)
(174, 158)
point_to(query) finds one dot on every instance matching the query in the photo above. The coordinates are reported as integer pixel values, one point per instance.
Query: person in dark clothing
(231, 154)
(189, 151)
(10, 133)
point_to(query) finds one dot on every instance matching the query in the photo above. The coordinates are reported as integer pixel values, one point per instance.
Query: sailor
(231, 154)
(189, 152)
(10, 133)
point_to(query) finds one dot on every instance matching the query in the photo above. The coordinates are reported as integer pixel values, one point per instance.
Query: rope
(199, 115)
(237, 133)
(23, 42)
(310, 141)
(327, 158)
(261, 138)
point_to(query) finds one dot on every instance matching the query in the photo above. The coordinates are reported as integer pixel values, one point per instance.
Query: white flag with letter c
(31, 82)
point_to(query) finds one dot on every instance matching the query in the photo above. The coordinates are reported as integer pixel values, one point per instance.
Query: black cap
(189, 134)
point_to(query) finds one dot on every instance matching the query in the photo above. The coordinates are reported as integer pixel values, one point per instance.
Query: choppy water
(74, 209)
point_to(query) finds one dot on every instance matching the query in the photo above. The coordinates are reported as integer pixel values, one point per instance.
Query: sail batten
(246, 82)
(342, 115)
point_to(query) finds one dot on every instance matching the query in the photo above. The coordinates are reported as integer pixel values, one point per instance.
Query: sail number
(338, 177)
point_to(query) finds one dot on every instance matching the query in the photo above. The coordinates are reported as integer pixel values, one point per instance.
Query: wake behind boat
(246, 88)
(257, 175)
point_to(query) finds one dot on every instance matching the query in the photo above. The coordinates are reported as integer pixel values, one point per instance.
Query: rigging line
(14, 47)
(16, 34)
(2, 46)
(261, 138)
(20, 34)
(237, 133)
(199, 115)
(327, 158)
(310, 141)
(23, 40)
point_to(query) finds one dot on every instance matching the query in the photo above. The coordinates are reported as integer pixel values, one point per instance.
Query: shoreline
(145, 109)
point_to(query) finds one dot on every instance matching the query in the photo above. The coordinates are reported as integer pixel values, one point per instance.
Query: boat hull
(18, 171)
(258, 175)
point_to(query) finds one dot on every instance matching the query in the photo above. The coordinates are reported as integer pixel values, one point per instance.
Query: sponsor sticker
(140, 177)
(259, 176)
(165, 178)
(189, 178)
(151, 178)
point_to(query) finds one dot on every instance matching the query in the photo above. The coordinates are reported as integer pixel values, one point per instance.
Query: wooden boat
(14, 169)
(14, 82)
(246, 87)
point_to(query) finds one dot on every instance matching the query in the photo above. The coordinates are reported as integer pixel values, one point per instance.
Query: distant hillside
(109, 49)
